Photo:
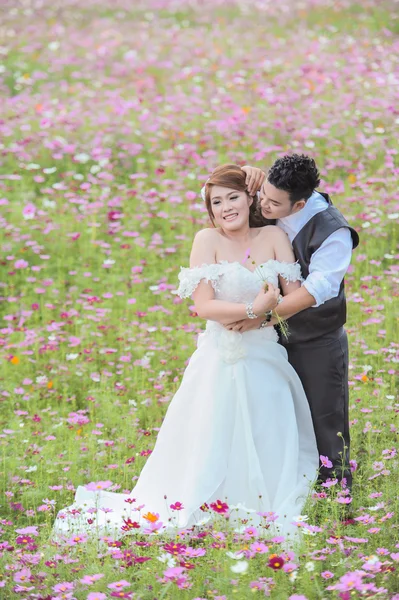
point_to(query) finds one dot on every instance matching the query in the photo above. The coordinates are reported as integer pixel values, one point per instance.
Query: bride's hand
(266, 301)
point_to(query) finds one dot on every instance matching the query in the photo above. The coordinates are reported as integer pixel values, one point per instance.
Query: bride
(237, 438)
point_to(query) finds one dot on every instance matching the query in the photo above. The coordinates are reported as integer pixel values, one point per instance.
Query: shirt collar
(297, 220)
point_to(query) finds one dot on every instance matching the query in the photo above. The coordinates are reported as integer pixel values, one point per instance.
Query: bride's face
(230, 208)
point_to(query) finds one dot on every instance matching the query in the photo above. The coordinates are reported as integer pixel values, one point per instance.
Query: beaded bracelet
(249, 309)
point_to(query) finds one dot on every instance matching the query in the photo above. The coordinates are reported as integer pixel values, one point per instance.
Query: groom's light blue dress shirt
(330, 262)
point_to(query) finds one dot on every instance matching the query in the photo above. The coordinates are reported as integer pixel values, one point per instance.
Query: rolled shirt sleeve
(328, 266)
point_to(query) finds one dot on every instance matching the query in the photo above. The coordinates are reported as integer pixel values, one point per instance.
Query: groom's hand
(245, 325)
(254, 180)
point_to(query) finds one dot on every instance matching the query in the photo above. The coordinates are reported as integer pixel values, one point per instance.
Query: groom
(317, 344)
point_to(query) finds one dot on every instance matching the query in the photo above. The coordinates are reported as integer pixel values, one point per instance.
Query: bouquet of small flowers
(282, 323)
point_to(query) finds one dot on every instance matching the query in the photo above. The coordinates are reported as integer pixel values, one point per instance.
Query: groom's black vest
(315, 322)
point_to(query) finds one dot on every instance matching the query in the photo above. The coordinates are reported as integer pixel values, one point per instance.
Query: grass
(209, 84)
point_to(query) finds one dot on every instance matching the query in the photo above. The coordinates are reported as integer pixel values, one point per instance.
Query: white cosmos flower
(300, 518)
(307, 531)
(82, 157)
(371, 560)
(240, 567)
(71, 356)
(167, 559)
(235, 555)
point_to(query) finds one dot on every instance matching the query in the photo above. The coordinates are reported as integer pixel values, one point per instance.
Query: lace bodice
(233, 282)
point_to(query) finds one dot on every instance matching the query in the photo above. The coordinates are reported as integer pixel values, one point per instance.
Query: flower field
(112, 115)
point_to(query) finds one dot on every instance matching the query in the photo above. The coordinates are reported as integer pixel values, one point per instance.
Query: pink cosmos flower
(194, 552)
(173, 572)
(65, 586)
(94, 486)
(349, 581)
(30, 530)
(29, 211)
(344, 500)
(259, 548)
(327, 574)
(22, 576)
(329, 483)
(325, 461)
(21, 264)
(353, 465)
(118, 585)
(90, 579)
(96, 596)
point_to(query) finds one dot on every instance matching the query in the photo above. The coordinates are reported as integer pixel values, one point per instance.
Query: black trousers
(322, 366)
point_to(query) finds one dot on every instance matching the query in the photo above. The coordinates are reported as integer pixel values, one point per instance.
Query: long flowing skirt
(238, 430)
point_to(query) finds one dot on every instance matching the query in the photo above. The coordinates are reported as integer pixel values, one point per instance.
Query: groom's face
(276, 203)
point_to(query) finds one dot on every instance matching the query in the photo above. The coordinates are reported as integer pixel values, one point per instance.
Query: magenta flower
(177, 506)
(175, 549)
(24, 540)
(276, 562)
(219, 507)
(129, 524)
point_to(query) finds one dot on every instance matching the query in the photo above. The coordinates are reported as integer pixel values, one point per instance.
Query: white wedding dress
(238, 429)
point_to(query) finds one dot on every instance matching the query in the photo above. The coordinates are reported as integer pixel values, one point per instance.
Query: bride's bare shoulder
(272, 230)
(207, 235)
(204, 247)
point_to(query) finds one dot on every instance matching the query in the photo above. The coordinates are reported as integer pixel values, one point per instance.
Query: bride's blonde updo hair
(233, 177)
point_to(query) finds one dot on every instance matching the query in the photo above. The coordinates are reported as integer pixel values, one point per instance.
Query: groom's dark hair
(296, 174)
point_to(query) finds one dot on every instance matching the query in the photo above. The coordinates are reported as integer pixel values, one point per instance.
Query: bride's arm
(206, 306)
(296, 298)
